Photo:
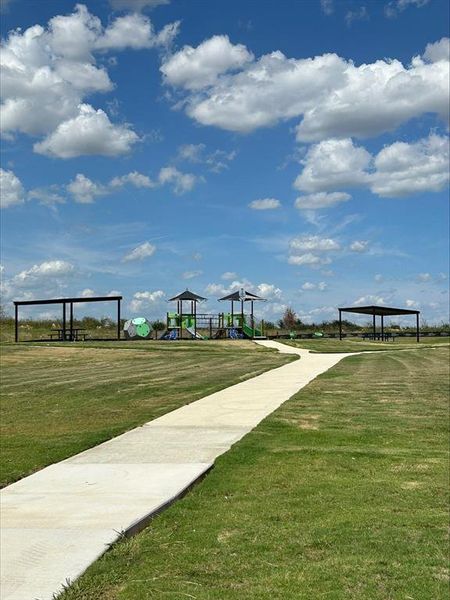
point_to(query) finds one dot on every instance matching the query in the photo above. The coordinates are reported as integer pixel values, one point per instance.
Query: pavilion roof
(187, 295)
(384, 311)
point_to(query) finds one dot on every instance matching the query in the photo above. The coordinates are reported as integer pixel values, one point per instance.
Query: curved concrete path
(58, 521)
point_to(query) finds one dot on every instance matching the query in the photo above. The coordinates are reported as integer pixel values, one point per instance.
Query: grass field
(360, 345)
(339, 494)
(58, 400)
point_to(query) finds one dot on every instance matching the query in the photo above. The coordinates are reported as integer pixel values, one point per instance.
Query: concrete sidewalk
(56, 522)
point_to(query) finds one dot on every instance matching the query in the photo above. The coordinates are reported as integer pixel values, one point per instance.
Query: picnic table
(384, 337)
(72, 335)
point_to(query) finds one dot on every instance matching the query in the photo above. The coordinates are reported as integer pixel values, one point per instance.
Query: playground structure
(196, 325)
(138, 328)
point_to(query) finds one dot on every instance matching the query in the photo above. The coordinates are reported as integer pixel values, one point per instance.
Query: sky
(296, 149)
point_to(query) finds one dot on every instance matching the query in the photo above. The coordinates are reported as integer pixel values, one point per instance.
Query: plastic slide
(194, 333)
(250, 332)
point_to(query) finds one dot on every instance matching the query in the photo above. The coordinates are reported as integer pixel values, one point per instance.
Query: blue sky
(297, 149)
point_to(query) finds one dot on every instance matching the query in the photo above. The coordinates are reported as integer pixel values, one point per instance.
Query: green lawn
(58, 400)
(360, 345)
(340, 494)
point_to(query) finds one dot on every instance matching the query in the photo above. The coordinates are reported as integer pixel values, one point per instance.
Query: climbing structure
(238, 323)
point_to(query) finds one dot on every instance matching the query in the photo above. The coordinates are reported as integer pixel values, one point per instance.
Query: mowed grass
(60, 400)
(326, 345)
(341, 494)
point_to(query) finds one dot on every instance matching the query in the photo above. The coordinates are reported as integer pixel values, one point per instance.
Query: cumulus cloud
(181, 182)
(333, 164)
(320, 200)
(371, 299)
(196, 68)
(84, 190)
(142, 251)
(11, 189)
(146, 299)
(265, 204)
(228, 275)
(90, 132)
(134, 178)
(49, 196)
(399, 169)
(311, 250)
(46, 270)
(403, 169)
(334, 97)
(438, 51)
(359, 246)
(47, 72)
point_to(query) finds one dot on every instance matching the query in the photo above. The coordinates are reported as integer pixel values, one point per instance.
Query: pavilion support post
(64, 323)
(71, 320)
(252, 318)
(232, 313)
(374, 326)
(195, 319)
(118, 319)
(340, 325)
(382, 328)
(210, 328)
(417, 328)
(16, 322)
(242, 314)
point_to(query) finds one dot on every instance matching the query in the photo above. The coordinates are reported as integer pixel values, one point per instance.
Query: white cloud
(333, 164)
(269, 291)
(47, 270)
(438, 51)
(320, 200)
(393, 8)
(313, 243)
(399, 169)
(134, 31)
(228, 275)
(142, 251)
(11, 189)
(191, 274)
(86, 293)
(84, 190)
(309, 286)
(265, 204)
(134, 178)
(333, 96)
(146, 300)
(307, 259)
(181, 182)
(47, 72)
(47, 196)
(327, 6)
(358, 14)
(136, 5)
(216, 161)
(359, 246)
(424, 277)
(378, 278)
(369, 300)
(195, 68)
(403, 169)
(412, 304)
(90, 132)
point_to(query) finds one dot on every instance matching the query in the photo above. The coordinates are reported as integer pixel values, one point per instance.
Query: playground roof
(187, 295)
(384, 311)
(236, 297)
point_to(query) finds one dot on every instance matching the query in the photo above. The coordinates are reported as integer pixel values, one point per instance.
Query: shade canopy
(67, 300)
(187, 295)
(384, 311)
(242, 296)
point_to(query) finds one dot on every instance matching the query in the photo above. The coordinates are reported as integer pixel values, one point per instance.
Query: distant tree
(3, 314)
(158, 325)
(289, 319)
(269, 325)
